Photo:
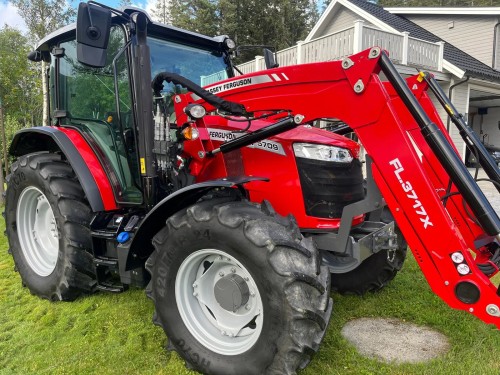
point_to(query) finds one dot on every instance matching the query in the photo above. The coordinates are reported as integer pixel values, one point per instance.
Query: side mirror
(93, 25)
(269, 59)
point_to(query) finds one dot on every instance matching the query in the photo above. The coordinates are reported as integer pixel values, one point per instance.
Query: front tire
(375, 272)
(47, 225)
(237, 289)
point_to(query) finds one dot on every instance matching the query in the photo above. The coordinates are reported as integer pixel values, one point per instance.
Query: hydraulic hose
(219, 103)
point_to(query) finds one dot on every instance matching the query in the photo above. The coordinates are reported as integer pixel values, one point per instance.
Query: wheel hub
(219, 301)
(231, 292)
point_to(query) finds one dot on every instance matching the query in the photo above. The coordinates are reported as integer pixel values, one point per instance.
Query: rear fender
(81, 157)
(134, 253)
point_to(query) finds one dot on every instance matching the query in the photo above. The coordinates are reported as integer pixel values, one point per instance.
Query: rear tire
(375, 272)
(275, 278)
(47, 225)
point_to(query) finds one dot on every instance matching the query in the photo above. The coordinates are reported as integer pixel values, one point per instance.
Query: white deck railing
(391, 42)
(402, 48)
(287, 57)
(329, 47)
(425, 54)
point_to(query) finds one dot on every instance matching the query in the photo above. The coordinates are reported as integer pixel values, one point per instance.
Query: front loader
(162, 168)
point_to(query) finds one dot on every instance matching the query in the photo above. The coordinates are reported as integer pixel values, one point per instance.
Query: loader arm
(448, 223)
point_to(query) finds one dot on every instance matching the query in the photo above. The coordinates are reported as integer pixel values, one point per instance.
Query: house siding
(472, 34)
(341, 20)
(460, 99)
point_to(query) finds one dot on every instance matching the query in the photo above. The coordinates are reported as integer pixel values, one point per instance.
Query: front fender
(81, 157)
(134, 253)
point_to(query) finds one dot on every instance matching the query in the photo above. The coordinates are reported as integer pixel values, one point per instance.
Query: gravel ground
(394, 341)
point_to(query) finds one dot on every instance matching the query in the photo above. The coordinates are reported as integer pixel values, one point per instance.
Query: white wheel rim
(222, 331)
(37, 231)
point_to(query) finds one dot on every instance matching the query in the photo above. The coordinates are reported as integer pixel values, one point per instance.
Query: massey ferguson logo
(243, 82)
(419, 209)
(230, 85)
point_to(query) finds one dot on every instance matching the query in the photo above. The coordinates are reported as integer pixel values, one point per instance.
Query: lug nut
(221, 274)
(233, 270)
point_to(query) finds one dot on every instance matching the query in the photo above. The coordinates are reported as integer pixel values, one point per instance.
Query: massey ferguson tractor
(165, 167)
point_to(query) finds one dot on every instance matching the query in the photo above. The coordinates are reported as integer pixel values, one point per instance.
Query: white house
(444, 41)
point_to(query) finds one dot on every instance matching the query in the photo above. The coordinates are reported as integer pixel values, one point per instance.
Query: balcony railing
(403, 49)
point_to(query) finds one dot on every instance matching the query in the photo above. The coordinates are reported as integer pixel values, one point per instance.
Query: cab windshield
(201, 66)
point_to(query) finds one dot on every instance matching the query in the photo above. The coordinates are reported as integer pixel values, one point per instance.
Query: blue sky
(116, 3)
(9, 15)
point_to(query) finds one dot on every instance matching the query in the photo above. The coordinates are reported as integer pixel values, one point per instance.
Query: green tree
(42, 17)
(281, 23)
(20, 88)
(13, 65)
(278, 23)
(161, 11)
(195, 15)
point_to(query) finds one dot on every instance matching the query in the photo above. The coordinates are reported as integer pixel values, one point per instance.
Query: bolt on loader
(164, 167)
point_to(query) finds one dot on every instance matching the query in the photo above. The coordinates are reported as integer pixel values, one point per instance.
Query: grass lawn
(113, 333)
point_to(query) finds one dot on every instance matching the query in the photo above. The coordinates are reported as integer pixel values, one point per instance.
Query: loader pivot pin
(493, 310)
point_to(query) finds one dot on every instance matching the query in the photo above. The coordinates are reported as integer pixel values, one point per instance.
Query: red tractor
(227, 202)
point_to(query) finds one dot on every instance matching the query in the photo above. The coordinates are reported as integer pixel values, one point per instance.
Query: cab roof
(154, 28)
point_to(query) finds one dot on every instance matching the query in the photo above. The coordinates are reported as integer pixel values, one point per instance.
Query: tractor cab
(99, 91)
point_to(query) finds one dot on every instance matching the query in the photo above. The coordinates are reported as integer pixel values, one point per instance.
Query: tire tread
(305, 282)
(78, 275)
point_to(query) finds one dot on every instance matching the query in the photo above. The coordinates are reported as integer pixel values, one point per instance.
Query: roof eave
(486, 11)
(453, 69)
(362, 13)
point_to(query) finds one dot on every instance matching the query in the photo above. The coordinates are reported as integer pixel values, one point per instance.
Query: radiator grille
(327, 187)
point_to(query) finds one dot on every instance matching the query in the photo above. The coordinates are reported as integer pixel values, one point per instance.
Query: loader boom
(417, 169)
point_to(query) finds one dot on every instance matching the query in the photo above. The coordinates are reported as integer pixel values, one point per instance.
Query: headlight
(322, 152)
(195, 110)
(230, 44)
